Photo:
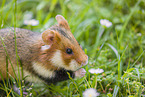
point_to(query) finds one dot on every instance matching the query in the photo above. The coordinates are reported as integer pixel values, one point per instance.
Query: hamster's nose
(86, 62)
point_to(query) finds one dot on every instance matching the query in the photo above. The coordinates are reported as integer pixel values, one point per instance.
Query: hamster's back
(24, 40)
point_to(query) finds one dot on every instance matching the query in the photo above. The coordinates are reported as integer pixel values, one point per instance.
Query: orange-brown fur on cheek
(62, 47)
(77, 54)
(67, 58)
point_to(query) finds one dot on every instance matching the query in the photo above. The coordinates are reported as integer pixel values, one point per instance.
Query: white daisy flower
(96, 70)
(28, 15)
(139, 34)
(32, 22)
(91, 92)
(105, 22)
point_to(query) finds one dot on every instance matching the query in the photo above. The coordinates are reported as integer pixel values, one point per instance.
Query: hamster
(44, 57)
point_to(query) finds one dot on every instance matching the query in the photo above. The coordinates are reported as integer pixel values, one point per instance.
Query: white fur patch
(42, 70)
(58, 61)
(31, 78)
(45, 47)
(73, 65)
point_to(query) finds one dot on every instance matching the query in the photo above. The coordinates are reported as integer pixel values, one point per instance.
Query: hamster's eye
(69, 51)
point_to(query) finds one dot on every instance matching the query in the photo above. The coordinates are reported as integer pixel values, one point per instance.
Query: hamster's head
(61, 48)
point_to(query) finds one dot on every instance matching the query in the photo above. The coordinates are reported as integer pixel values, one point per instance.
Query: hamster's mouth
(73, 65)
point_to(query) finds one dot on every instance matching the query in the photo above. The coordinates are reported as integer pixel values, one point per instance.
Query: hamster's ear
(62, 22)
(50, 36)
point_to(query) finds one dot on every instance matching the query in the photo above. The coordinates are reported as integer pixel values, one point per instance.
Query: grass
(118, 50)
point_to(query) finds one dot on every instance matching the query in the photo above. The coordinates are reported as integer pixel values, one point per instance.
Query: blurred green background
(118, 49)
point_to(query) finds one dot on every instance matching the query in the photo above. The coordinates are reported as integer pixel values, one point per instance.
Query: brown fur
(29, 47)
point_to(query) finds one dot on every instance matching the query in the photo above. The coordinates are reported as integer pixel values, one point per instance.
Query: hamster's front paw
(80, 73)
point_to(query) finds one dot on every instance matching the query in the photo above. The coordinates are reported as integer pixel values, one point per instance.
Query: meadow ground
(116, 45)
